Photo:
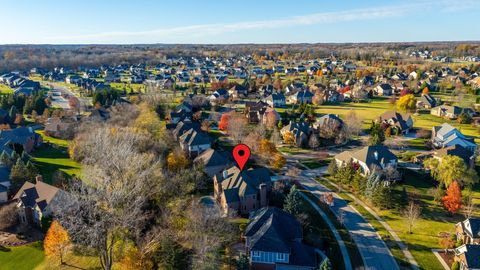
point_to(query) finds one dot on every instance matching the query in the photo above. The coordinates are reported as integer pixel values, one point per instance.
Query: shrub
(455, 266)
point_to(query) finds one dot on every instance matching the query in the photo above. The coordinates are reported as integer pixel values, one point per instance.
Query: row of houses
(20, 85)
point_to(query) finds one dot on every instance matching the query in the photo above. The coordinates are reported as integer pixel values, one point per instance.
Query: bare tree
(411, 214)
(109, 203)
(313, 141)
(237, 127)
(207, 231)
(469, 206)
(8, 216)
(354, 124)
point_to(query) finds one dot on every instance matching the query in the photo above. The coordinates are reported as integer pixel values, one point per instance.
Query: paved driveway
(374, 251)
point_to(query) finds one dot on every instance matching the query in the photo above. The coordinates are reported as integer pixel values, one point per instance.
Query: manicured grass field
(22, 258)
(4, 89)
(129, 87)
(53, 158)
(367, 111)
(31, 256)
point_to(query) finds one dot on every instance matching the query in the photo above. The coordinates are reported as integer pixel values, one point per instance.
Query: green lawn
(129, 87)
(53, 158)
(367, 111)
(434, 220)
(31, 256)
(22, 258)
(4, 89)
(49, 160)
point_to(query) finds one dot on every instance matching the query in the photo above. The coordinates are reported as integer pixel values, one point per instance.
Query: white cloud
(192, 33)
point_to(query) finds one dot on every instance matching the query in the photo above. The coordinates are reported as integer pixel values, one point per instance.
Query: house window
(256, 254)
(280, 256)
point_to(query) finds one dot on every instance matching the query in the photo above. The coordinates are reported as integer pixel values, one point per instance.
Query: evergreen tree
(19, 173)
(377, 135)
(31, 171)
(292, 202)
(332, 167)
(5, 159)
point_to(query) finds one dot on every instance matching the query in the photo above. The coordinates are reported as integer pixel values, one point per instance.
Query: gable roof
(455, 150)
(398, 119)
(242, 183)
(271, 229)
(370, 155)
(194, 137)
(39, 194)
(212, 157)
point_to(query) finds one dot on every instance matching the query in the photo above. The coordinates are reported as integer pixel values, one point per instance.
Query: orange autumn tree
(453, 200)
(223, 125)
(57, 242)
(425, 91)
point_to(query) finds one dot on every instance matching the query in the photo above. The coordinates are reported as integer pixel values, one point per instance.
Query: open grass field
(53, 158)
(129, 87)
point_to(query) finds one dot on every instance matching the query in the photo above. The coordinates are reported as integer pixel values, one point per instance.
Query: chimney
(30, 129)
(225, 174)
(38, 178)
(375, 154)
(263, 195)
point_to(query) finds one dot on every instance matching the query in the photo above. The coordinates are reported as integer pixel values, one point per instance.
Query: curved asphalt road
(374, 251)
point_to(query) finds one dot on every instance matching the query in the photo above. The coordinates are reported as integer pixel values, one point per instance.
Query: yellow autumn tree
(407, 103)
(278, 161)
(176, 161)
(289, 138)
(57, 242)
(148, 121)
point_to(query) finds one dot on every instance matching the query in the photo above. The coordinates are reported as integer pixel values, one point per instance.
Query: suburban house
(213, 161)
(466, 155)
(468, 256)
(238, 91)
(300, 130)
(468, 231)
(331, 121)
(302, 96)
(240, 192)
(368, 158)
(4, 183)
(21, 139)
(446, 135)
(384, 89)
(194, 142)
(35, 201)
(397, 121)
(273, 240)
(427, 102)
(61, 127)
(276, 100)
(183, 126)
(451, 112)
(219, 95)
(254, 111)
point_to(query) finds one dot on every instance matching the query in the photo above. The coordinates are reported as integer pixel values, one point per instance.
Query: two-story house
(368, 158)
(240, 192)
(273, 240)
(468, 231)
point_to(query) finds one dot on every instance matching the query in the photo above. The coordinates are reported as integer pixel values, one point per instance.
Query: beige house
(468, 231)
(35, 201)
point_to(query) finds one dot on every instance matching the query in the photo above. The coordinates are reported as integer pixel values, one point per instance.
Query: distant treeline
(25, 57)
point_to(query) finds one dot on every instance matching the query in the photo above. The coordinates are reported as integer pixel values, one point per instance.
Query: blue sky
(227, 21)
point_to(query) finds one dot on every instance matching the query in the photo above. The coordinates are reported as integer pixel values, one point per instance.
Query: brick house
(468, 231)
(240, 192)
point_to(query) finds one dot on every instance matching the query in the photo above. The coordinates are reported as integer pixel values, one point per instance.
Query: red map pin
(241, 153)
